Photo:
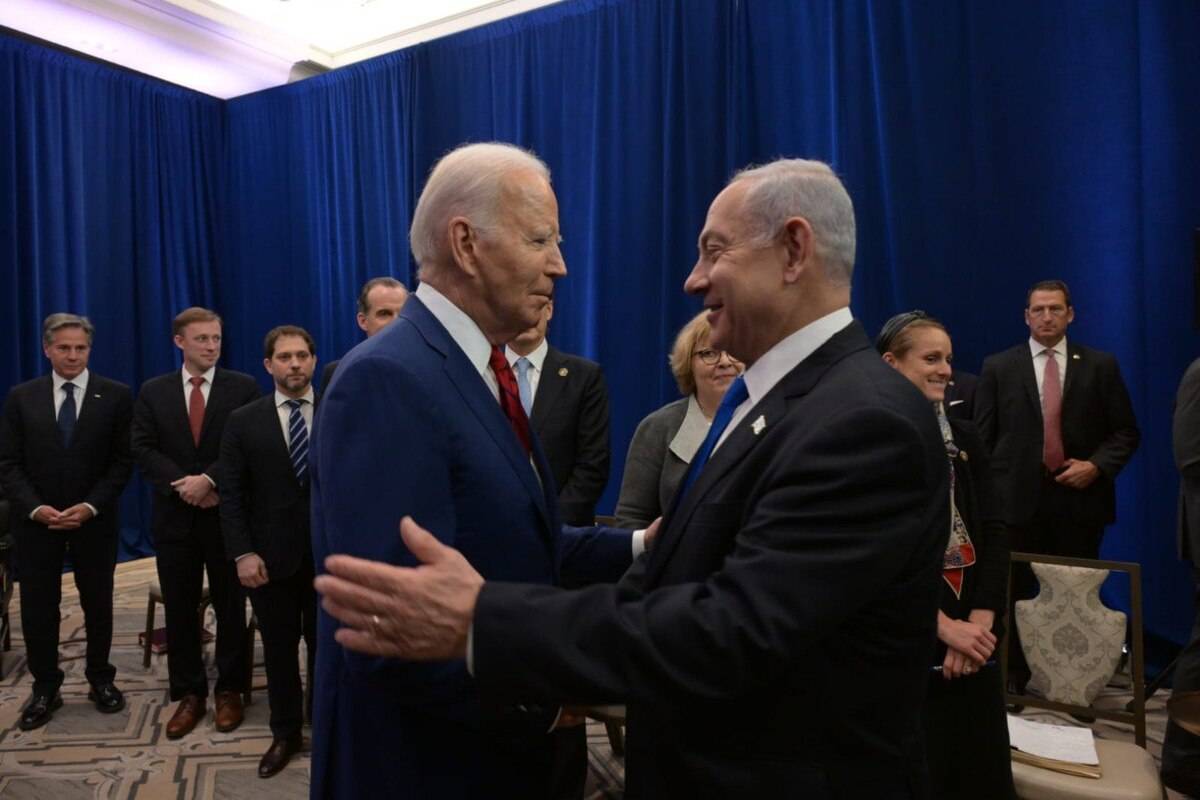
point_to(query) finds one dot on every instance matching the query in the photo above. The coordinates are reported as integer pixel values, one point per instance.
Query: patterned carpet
(84, 754)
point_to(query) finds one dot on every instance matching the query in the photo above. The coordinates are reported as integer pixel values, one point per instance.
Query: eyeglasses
(710, 356)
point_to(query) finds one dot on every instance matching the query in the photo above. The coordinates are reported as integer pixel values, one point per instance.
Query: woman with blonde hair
(666, 440)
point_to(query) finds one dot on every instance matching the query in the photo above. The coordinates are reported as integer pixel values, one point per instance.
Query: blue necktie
(298, 440)
(735, 395)
(526, 391)
(66, 414)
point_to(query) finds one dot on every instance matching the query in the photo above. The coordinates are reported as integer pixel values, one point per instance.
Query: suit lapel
(753, 428)
(92, 406)
(44, 409)
(270, 422)
(1029, 378)
(217, 398)
(550, 386)
(479, 399)
(1075, 362)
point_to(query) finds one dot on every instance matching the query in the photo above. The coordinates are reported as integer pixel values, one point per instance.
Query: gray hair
(801, 188)
(56, 322)
(466, 182)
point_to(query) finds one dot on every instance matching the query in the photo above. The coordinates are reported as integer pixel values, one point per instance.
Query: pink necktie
(1052, 444)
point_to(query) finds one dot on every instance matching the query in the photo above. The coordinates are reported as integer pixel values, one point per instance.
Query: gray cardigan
(658, 459)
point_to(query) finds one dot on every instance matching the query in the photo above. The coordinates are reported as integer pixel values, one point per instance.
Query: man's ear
(464, 245)
(799, 242)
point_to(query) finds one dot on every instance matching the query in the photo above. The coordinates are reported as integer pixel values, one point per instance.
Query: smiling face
(1048, 316)
(740, 278)
(68, 351)
(713, 370)
(518, 261)
(201, 345)
(926, 362)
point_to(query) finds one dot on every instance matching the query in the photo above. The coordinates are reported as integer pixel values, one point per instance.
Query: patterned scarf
(960, 553)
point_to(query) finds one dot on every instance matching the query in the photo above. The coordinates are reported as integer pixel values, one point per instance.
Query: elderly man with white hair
(775, 641)
(425, 420)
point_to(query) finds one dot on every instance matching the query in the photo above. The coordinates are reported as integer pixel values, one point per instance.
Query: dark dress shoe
(191, 709)
(229, 711)
(108, 698)
(40, 710)
(277, 756)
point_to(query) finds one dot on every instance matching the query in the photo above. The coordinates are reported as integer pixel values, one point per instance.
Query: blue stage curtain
(109, 188)
(985, 145)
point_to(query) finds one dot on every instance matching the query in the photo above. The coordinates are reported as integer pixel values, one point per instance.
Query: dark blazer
(1097, 425)
(163, 445)
(327, 373)
(1185, 436)
(803, 562)
(410, 427)
(570, 418)
(264, 508)
(35, 468)
(960, 395)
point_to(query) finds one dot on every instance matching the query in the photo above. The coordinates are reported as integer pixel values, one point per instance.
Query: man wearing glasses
(1057, 418)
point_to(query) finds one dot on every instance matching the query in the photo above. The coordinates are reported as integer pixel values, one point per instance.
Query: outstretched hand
(418, 613)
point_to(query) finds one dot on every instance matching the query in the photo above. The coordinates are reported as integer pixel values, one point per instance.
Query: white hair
(801, 188)
(466, 182)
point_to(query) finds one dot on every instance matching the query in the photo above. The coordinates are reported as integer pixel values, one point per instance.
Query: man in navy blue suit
(425, 420)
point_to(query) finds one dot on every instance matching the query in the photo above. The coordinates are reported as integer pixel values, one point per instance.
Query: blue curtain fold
(985, 146)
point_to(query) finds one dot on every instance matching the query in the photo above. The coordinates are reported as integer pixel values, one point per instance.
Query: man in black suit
(802, 556)
(379, 303)
(64, 460)
(177, 424)
(1059, 424)
(566, 401)
(1059, 431)
(960, 395)
(1181, 749)
(265, 521)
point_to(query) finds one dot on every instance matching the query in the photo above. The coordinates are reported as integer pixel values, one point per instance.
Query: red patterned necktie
(1052, 443)
(510, 397)
(196, 408)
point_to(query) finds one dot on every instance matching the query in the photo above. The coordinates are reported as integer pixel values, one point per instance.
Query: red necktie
(1052, 444)
(196, 408)
(510, 397)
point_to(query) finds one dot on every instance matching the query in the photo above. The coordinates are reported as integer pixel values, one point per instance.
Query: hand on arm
(419, 613)
(192, 489)
(1079, 474)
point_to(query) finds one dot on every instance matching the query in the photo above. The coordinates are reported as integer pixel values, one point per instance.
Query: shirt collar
(462, 329)
(781, 359)
(281, 398)
(536, 358)
(80, 380)
(207, 375)
(1037, 348)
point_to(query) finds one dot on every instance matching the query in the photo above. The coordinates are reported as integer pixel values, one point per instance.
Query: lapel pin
(1075, 356)
(758, 425)
(562, 372)
(96, 396)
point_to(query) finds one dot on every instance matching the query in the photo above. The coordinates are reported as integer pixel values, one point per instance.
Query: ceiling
(227, 48)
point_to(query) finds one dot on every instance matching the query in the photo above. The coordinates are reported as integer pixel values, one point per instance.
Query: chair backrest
(1135, 712)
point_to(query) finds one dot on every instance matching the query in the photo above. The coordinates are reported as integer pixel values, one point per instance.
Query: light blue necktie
(735, 395)
(526, 391)
(66, 414)
(298, 440)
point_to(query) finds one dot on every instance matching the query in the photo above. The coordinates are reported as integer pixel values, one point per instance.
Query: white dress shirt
(205, 388)
(1039, 362)
(536, 359)
(285, 412)
(781, 359)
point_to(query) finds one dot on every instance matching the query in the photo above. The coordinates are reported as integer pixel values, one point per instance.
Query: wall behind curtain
(985, 146)
(110, 186)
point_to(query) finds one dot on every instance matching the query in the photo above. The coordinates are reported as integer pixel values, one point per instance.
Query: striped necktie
(298, 440)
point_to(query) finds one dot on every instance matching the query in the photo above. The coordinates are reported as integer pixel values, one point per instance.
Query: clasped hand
(67, 520)
(195, 490)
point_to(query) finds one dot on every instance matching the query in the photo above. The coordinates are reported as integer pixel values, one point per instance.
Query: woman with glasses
(966, 728)
(665, 441)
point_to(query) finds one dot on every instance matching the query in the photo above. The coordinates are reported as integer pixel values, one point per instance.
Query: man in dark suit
(1181, 749)
(425, 419)
(177, 424)
(64, 460)
(960, 395)
(379, 303)
(566, 401)
(802, 556)
(1059, 430)
(265, 521)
